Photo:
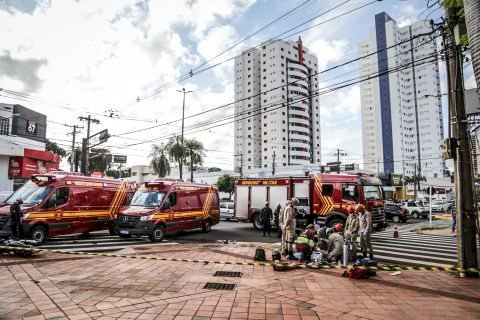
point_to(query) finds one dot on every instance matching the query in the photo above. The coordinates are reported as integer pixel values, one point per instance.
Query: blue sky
(77, 57)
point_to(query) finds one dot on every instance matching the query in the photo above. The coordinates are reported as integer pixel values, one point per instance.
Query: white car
(227, 210)
(439, 206)
(416, 210)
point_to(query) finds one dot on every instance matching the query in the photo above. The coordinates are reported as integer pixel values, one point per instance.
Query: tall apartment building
(277, 116)
(401, 111)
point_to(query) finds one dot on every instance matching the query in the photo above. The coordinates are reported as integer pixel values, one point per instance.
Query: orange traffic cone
(396, 234)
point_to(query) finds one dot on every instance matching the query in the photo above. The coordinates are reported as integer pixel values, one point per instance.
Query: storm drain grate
(219, 286)
(228, 274)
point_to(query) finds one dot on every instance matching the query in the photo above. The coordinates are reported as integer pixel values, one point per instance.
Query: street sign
(98, 138)
(333, 163)
(119, 159)
(350, 167)
(108, 158)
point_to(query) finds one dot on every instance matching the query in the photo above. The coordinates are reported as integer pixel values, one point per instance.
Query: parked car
(416, 210)
(4, 195)
(395, 213)
(439, 206)
(227, 210)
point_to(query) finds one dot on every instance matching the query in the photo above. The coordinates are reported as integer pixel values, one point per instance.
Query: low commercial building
(22, 146)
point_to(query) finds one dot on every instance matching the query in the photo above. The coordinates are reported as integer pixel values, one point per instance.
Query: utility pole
(73, 154)
(466, 214)
(273, 164)
(415, 181)
(180, 169)
(85, 146)
(338, 154)
(191, 165)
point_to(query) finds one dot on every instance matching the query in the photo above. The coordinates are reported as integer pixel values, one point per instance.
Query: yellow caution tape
(265, 264)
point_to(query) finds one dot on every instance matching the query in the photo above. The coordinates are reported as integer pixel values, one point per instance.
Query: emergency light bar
(66, 173)
(154, 184)
(40, 178)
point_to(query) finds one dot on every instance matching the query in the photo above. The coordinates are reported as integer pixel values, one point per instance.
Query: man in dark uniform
(276, 220)
(16, 219)
(265, 217)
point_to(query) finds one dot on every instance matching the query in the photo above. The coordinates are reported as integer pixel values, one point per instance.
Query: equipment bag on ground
(359, 273)
(260, 255)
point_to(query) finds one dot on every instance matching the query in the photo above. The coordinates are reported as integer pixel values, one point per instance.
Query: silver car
(227, 210)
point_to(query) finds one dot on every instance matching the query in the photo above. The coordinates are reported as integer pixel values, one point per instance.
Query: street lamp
(183, 120)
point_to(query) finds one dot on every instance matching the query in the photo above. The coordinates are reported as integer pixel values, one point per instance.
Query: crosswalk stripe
(432, 248)
(417, 243)
(408, 251)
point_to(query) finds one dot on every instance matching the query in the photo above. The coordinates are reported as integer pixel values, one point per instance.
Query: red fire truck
(324, 198)
(167, 205)
(66, 203)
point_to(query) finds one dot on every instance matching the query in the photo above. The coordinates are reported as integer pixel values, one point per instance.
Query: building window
(4, 126)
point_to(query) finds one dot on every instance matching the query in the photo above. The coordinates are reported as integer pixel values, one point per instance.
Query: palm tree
(415, 180)
(159, 161)
(195, 152)
(176, 152)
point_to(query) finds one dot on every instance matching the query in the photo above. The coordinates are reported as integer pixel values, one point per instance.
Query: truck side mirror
(166, 205)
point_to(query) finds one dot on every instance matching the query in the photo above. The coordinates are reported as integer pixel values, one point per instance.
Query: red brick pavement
(51, 287)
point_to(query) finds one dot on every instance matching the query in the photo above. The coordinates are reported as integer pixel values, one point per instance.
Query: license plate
(124, 231)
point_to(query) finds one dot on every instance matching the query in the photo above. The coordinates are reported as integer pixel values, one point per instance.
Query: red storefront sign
(33, 162)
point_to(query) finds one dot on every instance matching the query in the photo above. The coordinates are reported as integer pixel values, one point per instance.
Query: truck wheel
(39, 234)
(396, 219)
(415, 215)
(207, 226)
(334, 221)
(157, 234)
(257, 223)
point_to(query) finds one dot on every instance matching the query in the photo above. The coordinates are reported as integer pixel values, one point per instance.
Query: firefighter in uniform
(366, 227)
(281, 224)
(289, 227)
(16, 220)
(335, 244)
(305, 242)
(351, 229)
(266, 216)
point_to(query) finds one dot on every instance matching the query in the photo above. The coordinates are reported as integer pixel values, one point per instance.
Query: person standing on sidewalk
(266, 216)
(289, 227)
(351, 229)
(281, 224)
(366, 227)
(16, 220)
(276, 218)
(454, 219)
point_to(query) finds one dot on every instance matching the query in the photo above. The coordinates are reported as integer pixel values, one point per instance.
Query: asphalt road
(235, 231)
(226, 230)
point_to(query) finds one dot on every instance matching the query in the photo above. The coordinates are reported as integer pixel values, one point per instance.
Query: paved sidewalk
(55, 286)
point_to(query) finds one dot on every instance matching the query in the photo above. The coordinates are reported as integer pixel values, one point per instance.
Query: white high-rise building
(401, 111)
(277, 116)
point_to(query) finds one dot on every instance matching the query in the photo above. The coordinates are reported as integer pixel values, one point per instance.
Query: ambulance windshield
(372, 193)
(147, 198)
(30, 193)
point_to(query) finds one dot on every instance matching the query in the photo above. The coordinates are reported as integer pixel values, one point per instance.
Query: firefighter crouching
(335, 244)
(289, 227)
(305, 242)
(322, 234)
(366, 227)
(351, 229)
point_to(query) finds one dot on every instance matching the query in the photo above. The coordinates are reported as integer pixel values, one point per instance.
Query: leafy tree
(195, 152)
(117, 171)
(97, 160)
(176, 152)
(226, 183)
(159, 160)
(55, 148)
